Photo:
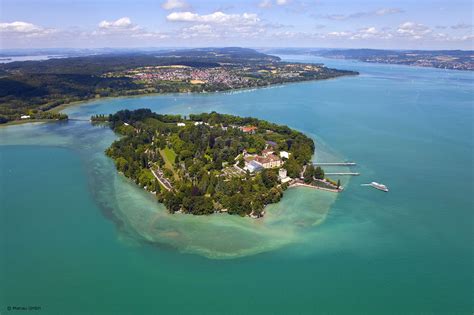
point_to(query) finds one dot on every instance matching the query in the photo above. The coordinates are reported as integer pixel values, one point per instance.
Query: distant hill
(99, 64)
(221, 54)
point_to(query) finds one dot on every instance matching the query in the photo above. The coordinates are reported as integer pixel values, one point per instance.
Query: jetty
(344, 174)
(334, 163)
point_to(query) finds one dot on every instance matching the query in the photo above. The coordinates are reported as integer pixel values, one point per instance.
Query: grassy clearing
(169, 156)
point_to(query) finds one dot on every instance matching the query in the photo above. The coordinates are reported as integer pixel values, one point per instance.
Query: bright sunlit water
(77, 238)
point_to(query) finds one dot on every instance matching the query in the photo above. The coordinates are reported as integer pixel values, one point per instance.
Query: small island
(212, 162)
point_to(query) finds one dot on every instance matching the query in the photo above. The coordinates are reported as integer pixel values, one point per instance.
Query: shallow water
(75, 230)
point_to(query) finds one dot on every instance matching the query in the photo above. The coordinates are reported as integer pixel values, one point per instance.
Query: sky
(384, 24)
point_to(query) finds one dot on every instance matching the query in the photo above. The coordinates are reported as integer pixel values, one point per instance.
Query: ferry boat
(377, 186)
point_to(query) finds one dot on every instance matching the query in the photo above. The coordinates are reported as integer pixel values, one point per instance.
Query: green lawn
(169, 155)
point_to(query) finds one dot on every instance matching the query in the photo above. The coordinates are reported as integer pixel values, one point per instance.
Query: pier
(345, 174)
(334, 163)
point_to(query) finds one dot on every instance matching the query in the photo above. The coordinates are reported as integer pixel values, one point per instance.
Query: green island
(211, 162)
(34, 90)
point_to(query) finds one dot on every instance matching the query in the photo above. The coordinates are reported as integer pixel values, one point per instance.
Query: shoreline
(378, 63)
(62, 107)
(28, 121)
(298, 185)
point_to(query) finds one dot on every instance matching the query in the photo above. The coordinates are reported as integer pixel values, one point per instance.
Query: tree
(146, 178)
(121, 164)
(309, 174)
(319, 173)
(269, 178)
(292, 167)
(338, 183)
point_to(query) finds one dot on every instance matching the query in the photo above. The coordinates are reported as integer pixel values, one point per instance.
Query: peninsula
(212, 162)
(32, 90)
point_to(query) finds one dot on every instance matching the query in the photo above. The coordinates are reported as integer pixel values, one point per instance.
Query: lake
(78, 238)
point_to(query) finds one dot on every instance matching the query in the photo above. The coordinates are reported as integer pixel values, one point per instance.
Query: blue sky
(386, 24)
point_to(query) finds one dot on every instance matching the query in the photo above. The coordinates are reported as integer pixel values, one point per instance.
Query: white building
(282, 176)
(282, 173)
(284, 155)
(269, 161)
(25, 117)
(181, 124)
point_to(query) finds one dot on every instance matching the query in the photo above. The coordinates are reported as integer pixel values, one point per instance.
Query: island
(211, 162)
(32, 90)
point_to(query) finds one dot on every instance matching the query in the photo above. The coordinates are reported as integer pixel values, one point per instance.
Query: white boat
(378, 186)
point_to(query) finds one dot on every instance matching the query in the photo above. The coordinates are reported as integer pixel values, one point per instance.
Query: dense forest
(195, 159)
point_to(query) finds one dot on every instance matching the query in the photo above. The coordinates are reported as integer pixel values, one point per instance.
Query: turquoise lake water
(77, 238)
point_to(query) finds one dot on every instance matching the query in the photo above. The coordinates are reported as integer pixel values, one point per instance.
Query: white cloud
(265, 4)
(174, 4)
(379, 12)
(216, 17)
(387, 11)
(461, 26)
(19, 28)
(413, 30)
(201, 28)
(269, 3)
(405, 32)
(124, 27)
(338, 34)
(467, 37)
(371, 33)
(122, 23)
(198, 31)
(231, 27)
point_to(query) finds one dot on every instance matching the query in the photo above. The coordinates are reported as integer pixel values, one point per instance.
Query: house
(197, 123)
(25, 117)
(284, 155)
(180, 124)
(248, 129)
(269, 161)
(267, 152)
